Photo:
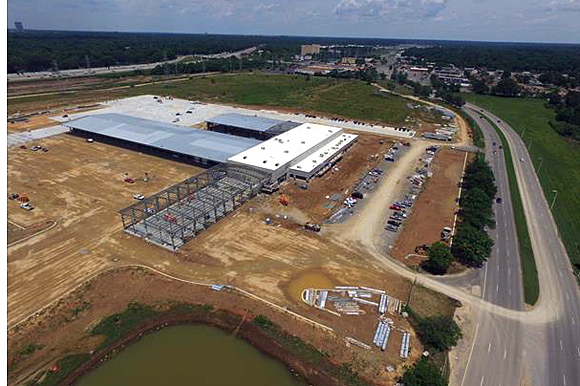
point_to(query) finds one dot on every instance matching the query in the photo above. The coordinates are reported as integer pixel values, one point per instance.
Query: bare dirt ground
(77, 83)
(18, 232)
(359, 159)
(63, 328)
(81, 186)
(434, 209)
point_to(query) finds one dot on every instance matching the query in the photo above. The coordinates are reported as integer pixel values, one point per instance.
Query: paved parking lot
(18, 139)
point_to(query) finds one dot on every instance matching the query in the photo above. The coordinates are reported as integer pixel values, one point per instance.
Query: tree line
(503, 56)
(471, 243)
(567, 122)
(51, 50)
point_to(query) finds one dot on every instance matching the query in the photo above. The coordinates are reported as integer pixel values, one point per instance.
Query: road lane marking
(561, 345)
(482, 378)
(564, 379)
(497, 266)
(504, 353)
(489, 346)
(509, 271)
(497, 288)
(470, 353)
(567, 296)
(573, 320)
(508, 252)
(578, 349)
(560, 272)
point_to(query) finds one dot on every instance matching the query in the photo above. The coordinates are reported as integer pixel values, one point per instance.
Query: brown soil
(16, 233)
(434, 209)
(62, 329)
(359, 159)
(81, 186)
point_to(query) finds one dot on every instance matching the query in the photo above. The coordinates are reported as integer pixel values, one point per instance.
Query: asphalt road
(544, 353)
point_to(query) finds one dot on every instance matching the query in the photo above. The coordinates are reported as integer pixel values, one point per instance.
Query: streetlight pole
(554, 200)
(541, 163)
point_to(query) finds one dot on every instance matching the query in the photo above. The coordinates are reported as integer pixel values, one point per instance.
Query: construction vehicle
(284, 200)
(169, 217)
(446, 233)
(312, 227)
(421, 249)
(129, 180)
(13, 196)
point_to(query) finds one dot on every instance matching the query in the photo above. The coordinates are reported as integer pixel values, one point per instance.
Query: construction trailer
(177, 214)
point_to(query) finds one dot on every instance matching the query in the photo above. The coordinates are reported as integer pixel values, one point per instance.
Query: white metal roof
(324, 154)
(286, 147)
(184, 140)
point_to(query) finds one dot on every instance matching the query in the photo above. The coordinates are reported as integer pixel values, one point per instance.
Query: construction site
(224, 196)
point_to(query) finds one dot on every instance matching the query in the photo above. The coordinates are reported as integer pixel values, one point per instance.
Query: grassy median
(560, 160)
(527, 261)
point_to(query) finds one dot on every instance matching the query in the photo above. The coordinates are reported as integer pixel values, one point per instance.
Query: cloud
(541, 20)
(390, 9)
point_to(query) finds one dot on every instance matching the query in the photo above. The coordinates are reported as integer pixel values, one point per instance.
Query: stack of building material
(405, 343)
(384, 302)
(382, 335)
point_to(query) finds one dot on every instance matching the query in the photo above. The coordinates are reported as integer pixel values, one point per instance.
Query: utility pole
(541, 163)
(554, 200)
(88, 62)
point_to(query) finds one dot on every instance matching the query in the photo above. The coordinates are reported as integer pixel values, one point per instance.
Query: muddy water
(190, 355)
(311, 279)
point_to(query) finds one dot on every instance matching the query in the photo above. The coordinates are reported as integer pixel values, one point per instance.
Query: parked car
(498, 200)
(90, 140)
(391, 228)
(26, 206)
(138, 197)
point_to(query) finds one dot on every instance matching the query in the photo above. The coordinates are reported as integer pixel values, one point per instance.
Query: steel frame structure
(175, 215)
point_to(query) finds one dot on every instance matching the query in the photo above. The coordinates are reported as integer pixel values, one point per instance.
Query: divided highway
(551, 350)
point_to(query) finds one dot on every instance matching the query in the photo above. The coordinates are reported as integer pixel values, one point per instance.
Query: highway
(507, 351)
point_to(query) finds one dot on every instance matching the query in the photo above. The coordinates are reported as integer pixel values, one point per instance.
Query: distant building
(19, 26)
(348, 60)
(309, 49)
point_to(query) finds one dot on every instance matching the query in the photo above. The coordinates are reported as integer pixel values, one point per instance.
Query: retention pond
(190, 355)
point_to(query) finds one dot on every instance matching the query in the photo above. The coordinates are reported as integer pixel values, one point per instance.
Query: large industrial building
(247, 154)
(202, 147)
(301, 152)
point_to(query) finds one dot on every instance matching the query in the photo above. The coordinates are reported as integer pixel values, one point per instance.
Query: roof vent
(264, 161)
(302, 142)
(276, 164)
(286, 151)
(263, 148)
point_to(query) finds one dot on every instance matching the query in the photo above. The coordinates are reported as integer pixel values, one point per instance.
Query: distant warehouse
(249, 126)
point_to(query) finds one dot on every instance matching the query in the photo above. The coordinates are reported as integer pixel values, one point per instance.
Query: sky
(554, 21)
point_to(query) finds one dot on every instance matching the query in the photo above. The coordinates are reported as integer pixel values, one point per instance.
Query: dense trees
(45, 50)
(567, 114)
(503, 56)
(506, 87)
(440, 258)
(423, 373)
(471, 244)
(438, 332)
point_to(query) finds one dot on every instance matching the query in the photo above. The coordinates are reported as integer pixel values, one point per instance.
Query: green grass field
(527, 261)
(351, 99)
(559, 159)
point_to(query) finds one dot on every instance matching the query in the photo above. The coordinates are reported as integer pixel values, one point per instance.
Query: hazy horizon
(471, 20)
